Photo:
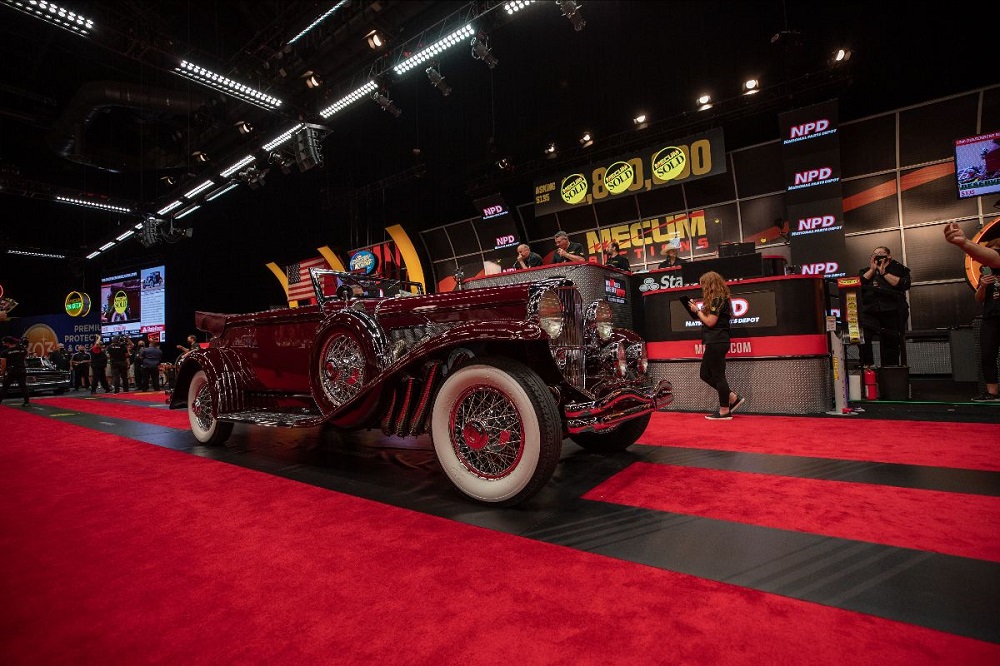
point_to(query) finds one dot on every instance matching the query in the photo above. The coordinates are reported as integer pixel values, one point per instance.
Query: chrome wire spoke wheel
(487, 432)
(496, 430)
(343, 369)
(201, 408)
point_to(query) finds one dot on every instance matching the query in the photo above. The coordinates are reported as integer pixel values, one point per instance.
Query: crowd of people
(134, 365)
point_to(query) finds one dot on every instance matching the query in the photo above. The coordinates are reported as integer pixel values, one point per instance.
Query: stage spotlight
(640, 121)
(571, 10)
(841, 56)
(199, 156)
(312, 79)
(481, 51)
(751, 87)
(551, 152)
(375, 39)
(386, 103)
(704, 102)
(587, 139)
(243, 127)
(438, 81)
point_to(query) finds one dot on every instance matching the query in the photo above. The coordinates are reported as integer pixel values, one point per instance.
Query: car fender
(229, 372)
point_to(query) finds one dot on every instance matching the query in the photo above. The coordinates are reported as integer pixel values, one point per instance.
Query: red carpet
(171, 418)
(158, 397)
(146, 555)
(936, 444)
(950, 523)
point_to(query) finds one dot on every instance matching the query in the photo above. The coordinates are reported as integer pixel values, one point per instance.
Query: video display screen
(977, 165)
(133, 303)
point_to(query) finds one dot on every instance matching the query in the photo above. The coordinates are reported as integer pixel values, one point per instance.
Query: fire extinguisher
(871, 384)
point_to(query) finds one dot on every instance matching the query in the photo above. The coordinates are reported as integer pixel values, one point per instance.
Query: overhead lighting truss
(228, 86)
(54, 14)
(344, 102)
(198, 190)
(169, 207)
(94, 204)
(212, 196)
(422, 56)
(516, 5)
(236, 167)
(322, 17)
(282, 138)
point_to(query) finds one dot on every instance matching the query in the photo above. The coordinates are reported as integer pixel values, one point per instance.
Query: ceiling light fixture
(54, 14)
(312, 79)
(282, 138)
(481, 51)
(640, 121)
(515, 5)
(704, 102)
(169, 207)
(198, 190)
(322, 17)
(42, 255)
(345, 102)
(199, 156)
(375, 40)
(94, 204)
(842, 56)
(227, 85)
(751, 87)
(106, 246)
(550, 151)
(127, 234)
(587, 139)
(571, 10)
(243, 127)
(187, 211)
(438, 81)
(386, 104)
(235, 167)
(437, 47)
(219, 192)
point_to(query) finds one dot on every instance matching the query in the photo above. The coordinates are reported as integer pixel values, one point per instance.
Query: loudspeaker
(307, 150)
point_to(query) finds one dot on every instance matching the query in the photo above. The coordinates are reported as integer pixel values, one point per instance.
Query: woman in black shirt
(714, 315)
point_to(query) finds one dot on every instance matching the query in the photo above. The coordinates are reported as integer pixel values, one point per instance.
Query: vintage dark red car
(497, 376)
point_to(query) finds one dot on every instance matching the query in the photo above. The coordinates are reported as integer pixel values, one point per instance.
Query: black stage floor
(953, 594)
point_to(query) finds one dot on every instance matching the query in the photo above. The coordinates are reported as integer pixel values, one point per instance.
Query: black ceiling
(105, 118)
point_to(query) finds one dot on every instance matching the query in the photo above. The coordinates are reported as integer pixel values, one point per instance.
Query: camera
(880, 258)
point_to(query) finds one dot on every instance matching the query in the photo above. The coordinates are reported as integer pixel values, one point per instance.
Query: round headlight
(637, 356)
(604, 321)
(550, 314)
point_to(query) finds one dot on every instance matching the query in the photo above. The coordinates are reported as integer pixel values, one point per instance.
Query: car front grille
(567, 348)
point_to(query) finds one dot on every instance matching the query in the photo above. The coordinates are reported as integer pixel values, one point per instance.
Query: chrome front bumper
(617, 407)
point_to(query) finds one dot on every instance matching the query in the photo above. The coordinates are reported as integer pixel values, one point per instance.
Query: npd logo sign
(573, 188)
(822, 268)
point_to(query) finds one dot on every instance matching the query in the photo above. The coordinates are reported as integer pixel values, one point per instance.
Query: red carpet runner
(116, 552)
(112, 407)
(950, 523)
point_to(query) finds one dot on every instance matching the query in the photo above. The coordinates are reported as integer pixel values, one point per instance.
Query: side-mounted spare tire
(496, 431)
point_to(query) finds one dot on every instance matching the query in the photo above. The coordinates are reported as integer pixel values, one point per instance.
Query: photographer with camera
(883, 306)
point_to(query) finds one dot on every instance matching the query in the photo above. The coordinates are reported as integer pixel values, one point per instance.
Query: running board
(275, 419)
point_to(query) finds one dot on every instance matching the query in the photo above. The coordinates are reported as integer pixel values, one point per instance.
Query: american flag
(300, 287)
